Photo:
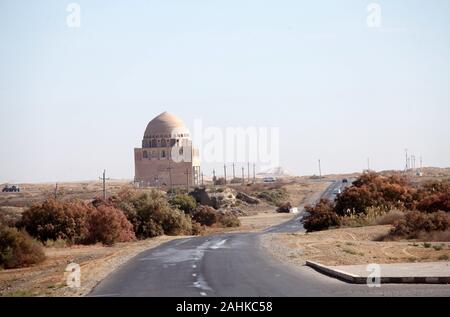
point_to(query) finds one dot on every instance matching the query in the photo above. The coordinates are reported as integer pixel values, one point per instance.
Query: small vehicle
(337, 191)
(12, 189)
(269, 179)
(345, 180)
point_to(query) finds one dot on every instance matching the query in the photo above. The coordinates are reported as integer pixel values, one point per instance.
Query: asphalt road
(235, 265)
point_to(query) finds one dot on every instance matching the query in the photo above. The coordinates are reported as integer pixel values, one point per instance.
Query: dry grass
(348, 246)
(48, 278)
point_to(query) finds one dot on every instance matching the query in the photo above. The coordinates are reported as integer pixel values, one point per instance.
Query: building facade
(167, 157)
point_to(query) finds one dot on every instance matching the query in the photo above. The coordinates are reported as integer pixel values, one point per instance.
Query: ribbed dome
(165, 124)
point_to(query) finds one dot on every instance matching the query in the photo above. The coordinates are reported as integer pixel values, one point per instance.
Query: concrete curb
(356, 279)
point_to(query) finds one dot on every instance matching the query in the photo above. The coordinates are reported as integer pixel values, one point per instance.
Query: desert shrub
(9, 216)
(109, 225)
(197, 229)
(228, 220)
(151, 215)
(285, 207)
(176, 223)
(183, 202)
(434, 196)
(54, 220)
(274, 196)
(320, 217)
(205, 215)
(18, 249)
(416, 223)
(236, 180)
(390, 218)
(220, 181)
(375, 190)
(367, 218)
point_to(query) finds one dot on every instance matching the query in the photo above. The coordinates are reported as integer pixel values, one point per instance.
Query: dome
(165, 124)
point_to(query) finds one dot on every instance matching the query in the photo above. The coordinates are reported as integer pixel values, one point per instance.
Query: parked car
(9, 189)
(345, 180)
(269, 179)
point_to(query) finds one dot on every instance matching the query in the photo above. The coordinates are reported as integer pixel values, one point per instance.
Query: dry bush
(9, 216)
(220, 181)
(183, 202)
(320, 217)
(375, 190)
(151, 215)
(285, 207)
(18, 249)
(274, 196)
(228, 220)
(416, 224)
(109, 225)
(54, 220)
(390, 218)
(205, 215)
(434, 196)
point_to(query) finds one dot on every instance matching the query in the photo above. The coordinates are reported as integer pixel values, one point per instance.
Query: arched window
(163, 143)
(145, 154)
(163, 154)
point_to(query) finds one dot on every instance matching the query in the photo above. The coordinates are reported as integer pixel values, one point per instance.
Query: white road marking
(203, 294)
(219, 244)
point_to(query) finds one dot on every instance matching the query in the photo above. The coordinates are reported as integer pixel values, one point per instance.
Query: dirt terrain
(49, 279)
(96, 261)
(346, 246)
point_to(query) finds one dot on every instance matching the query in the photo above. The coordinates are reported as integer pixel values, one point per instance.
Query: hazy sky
(76, 100)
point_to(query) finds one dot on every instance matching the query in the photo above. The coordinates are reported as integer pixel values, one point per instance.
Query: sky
(76, 100)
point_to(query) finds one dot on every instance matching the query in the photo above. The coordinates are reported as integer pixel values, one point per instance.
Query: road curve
(235, 265)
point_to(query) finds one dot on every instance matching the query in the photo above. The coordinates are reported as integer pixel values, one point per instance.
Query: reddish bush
(205, 215)
(18, 249)
(320, 217)
(434, 196)
(109, 225)
(415, 223)
(285, 207)
(374, 190)
(53, 220)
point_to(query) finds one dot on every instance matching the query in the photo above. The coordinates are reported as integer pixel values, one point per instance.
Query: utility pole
(56, 191)
(157, 181)
(187, 180)
(248, 172)
(421, 162)
(225, 172)
(243, 176)
(320, 170)
(202, 180)
(234, 176)
(170, 175)
(368, 164)
(406, 157)
(254, 175)
(214, 177)
(104, 179)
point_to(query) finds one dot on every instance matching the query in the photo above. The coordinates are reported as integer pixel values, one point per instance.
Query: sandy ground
(49, 277)
(97, 261)
(347, 246)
